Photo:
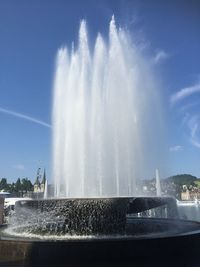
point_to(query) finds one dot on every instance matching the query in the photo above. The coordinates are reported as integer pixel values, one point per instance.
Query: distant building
(190, 194)
(43, 183)
(4, 194)
(1, 210)
(39, 185)
(37, 182)
(185, 195)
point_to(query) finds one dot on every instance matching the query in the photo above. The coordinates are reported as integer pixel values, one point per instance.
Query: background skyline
(31, 32)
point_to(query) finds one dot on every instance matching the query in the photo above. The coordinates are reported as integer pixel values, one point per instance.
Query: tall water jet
(46, 189)
(106, 118)
(158, 186)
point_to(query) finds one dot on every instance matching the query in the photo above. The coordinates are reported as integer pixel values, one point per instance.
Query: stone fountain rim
(99, 198)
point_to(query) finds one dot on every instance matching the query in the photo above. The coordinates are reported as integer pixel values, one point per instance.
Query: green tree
(18, 185)
(26, 185)
(29, 186)
(11, 188)
(3, 184)
(183, 179)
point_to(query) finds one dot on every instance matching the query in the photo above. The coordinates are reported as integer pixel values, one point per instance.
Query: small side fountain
(158, 186)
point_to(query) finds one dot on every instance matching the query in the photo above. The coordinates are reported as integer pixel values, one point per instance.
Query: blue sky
(31, 33)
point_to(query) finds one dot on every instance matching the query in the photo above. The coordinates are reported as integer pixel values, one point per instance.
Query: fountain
(107, 128)
(107, 118)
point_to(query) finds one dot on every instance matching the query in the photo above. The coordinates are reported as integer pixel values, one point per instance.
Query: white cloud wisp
(23, 116)
(175, 148)
(19, 167)
(185, 92)
(160, 56)
(193, 125)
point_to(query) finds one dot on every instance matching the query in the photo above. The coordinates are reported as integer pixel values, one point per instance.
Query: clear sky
(31, 33)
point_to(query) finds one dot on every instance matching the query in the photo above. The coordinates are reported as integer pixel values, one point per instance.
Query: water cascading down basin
(96, 231)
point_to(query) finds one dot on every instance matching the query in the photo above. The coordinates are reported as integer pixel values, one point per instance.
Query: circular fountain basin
(155, 239)
(83, 216)
(97, 232)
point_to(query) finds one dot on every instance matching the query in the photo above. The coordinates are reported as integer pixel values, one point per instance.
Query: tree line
(183, 179)
(21, 185)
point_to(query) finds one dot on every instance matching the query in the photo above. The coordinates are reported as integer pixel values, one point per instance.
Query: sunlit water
(189, 210)
(107, 120)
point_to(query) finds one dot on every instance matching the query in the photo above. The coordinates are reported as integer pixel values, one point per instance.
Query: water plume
(106, 118)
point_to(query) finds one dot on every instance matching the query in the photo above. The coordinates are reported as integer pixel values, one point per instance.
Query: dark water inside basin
(136, 228)
(148, 242)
